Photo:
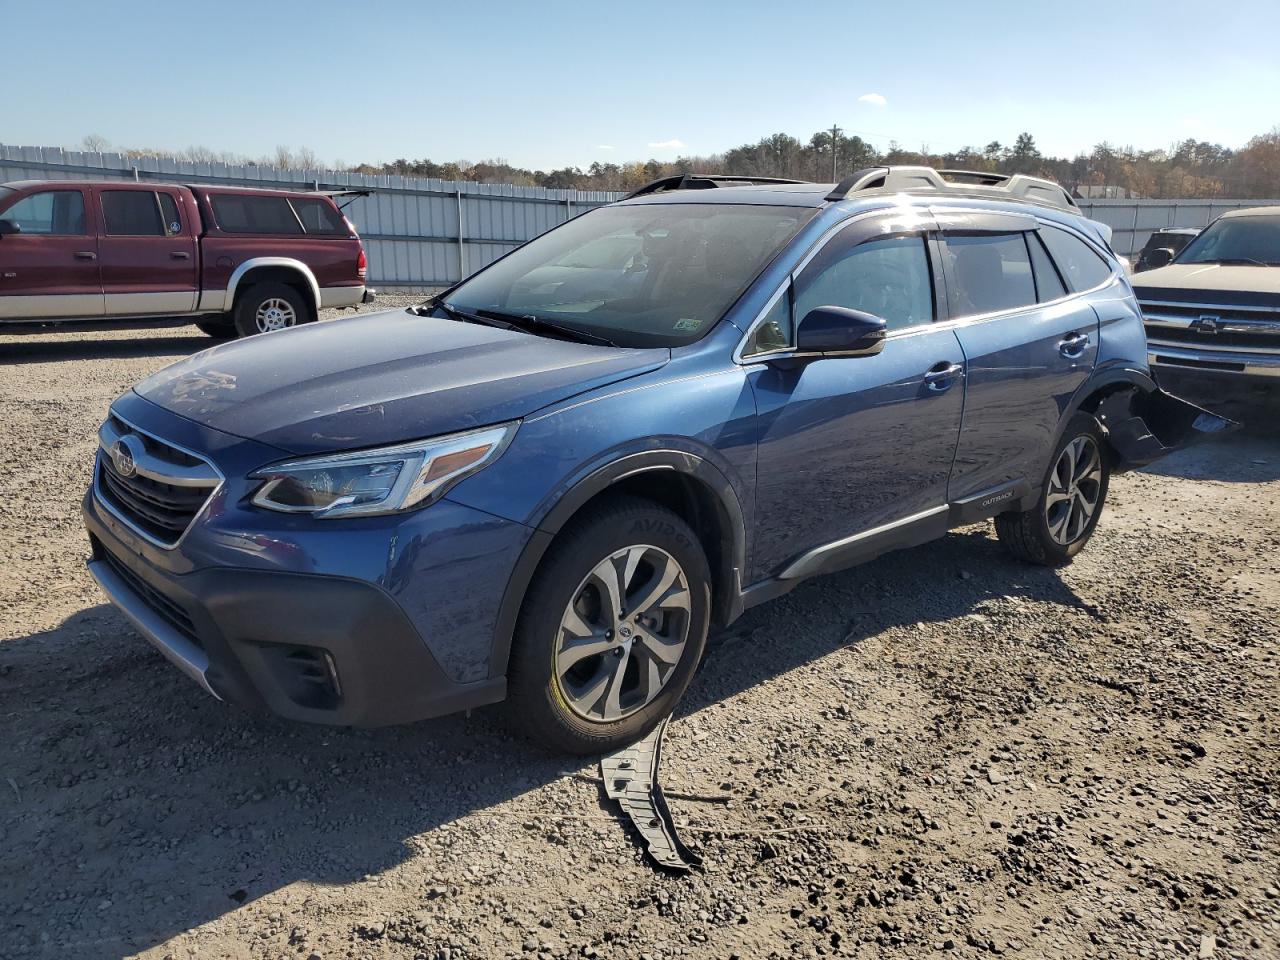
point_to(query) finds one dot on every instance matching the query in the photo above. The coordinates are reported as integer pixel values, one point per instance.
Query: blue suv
(547, 484)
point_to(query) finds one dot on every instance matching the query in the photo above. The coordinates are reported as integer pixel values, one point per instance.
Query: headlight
(379, 481)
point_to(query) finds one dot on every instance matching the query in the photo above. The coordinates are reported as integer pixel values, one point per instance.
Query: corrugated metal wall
(425, 232)
(417, 231)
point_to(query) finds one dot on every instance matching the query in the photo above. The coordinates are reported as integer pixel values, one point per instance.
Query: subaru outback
(547, 484)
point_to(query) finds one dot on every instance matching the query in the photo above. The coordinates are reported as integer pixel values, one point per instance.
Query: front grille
(1237, 326)
(163, 495)
(173, 614)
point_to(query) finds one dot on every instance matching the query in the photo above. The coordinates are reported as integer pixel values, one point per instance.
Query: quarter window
(774, 331)
(319, 217)
(1080, 266)
(990, 272)
(132, 213)
(169, 209)
(51, 213)
(1049, 285)
(888, 277)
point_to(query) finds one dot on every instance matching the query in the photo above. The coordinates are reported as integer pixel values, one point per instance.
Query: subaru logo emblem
(124, 456)
(1208, 323)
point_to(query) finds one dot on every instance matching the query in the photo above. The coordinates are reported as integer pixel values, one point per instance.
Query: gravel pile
(944, 753)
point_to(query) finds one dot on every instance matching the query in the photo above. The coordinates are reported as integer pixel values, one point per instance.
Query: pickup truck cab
(237, 261)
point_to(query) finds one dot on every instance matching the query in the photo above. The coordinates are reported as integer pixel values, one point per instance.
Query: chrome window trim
(101, 501)
(951, 323)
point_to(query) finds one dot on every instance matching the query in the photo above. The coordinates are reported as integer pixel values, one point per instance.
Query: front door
(49, 269)
(855, 447)
(148, 251)
(1029, 344)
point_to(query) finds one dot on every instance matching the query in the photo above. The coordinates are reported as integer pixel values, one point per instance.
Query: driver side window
(888, 277)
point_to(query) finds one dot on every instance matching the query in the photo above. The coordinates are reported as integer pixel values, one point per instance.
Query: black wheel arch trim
(728, 585)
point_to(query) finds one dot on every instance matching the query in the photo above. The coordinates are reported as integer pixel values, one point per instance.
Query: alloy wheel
(623, 634)
(275, 314)
(1075, 488)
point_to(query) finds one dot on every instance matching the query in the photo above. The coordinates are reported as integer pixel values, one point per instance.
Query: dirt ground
(941, 753)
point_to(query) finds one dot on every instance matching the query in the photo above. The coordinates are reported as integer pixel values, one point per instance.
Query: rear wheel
(1070, 503)
(267, 307)
(613, 628)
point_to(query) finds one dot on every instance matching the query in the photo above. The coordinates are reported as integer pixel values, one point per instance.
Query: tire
(581, 679)
(1067, 511)
(221, 328)
(266, 307)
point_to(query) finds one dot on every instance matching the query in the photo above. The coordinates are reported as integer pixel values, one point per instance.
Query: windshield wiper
(530, 323)
(1239, 262)
(425, 310)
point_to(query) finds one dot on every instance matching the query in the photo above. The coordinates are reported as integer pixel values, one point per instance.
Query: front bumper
(1231, 363)
(367, 622)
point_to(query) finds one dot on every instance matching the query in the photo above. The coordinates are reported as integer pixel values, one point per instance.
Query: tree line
(1190, 169)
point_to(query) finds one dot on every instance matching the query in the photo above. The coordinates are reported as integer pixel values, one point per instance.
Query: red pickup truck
(237, 261)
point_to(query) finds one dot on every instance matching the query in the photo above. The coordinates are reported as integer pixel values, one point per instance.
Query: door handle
(86, 255)
(179, 255)
(942, 375)
(1073, 345)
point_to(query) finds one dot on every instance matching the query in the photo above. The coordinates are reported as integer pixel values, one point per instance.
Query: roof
(211, 187)
(882, 181)
(1252, 212)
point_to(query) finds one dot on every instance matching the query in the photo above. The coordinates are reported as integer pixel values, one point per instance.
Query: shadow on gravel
(1248, 455)
(16, 349)
(133, 807)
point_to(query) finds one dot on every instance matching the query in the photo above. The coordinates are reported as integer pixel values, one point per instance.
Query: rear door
(147, 251)
(49, 269)
(1029, 344)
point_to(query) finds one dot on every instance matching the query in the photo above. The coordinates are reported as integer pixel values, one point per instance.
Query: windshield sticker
(687, 323)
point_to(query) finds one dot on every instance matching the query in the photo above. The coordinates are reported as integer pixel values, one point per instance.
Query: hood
(1209, 277)
(380, 379)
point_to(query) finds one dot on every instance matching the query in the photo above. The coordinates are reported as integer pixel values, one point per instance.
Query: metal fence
(1133, 221)
(431, 233)
(418, 232)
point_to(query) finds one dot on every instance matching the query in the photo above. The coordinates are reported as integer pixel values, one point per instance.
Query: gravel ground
(942, 753)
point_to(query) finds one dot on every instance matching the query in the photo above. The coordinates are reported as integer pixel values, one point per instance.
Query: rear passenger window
(1049, 285)
(888, 277)
(1080, 266)
(51, 213)
(319, 217)
(990, 272)
(255, 214)
(132, 213)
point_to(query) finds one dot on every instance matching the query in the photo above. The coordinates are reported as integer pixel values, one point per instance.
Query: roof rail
(974, 183)
(700, 181)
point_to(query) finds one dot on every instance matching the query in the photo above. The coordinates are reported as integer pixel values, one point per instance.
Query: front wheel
(613, 628)
(267, 307)
(1063, 519)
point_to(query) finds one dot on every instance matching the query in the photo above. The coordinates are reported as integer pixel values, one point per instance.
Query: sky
(552, 84)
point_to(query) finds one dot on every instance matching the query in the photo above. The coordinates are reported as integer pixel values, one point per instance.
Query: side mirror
(839, 331)
(8, 226)
(1159, 257)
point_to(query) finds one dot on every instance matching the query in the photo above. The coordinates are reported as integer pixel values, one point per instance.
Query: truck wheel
(612, 630)
(220, 328)
(266, 307)
(1053, 531)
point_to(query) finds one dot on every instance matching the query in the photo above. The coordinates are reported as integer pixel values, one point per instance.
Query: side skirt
(911, 531)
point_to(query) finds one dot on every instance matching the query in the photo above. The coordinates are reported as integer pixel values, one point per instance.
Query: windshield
(642, 275)
(1237, 240)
